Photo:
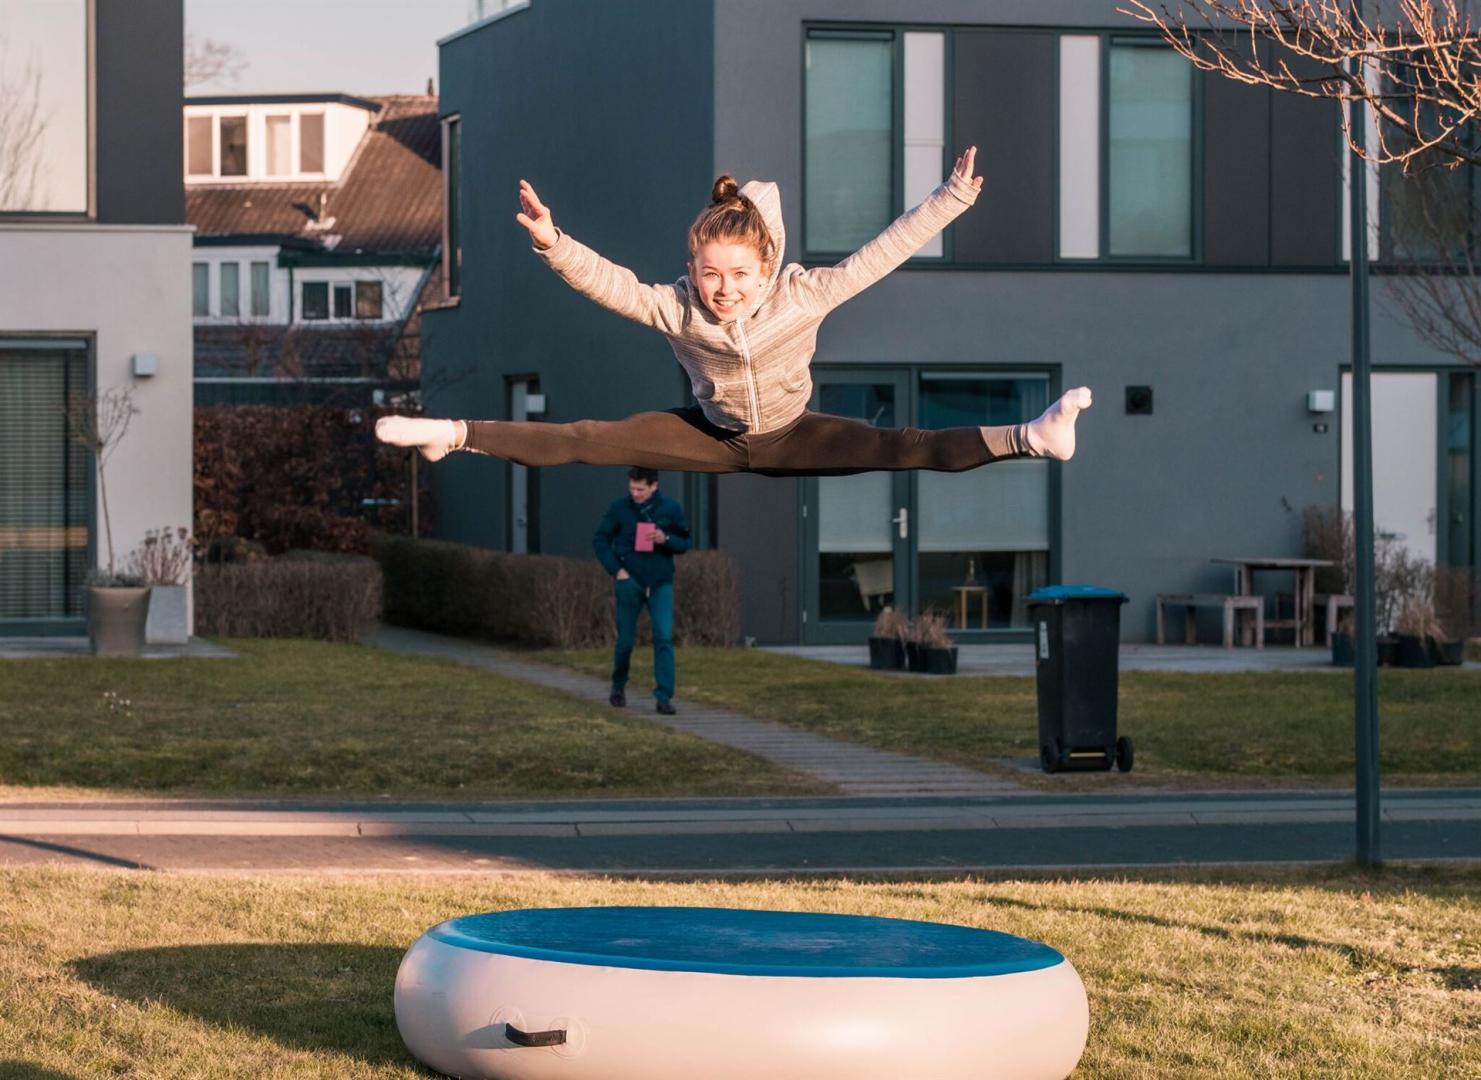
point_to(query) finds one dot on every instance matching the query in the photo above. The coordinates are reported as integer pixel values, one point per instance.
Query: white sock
(1052, 435)
(434, 438)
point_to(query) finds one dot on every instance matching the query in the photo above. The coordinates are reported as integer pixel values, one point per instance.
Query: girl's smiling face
(728, 276)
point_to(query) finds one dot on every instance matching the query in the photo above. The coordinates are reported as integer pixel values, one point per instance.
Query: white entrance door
(1405, 457)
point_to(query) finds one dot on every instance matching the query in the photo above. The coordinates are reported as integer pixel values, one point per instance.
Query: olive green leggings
(682, 440)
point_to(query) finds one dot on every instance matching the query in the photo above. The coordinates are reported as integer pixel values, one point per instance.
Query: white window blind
(44, 485)
(854, 514)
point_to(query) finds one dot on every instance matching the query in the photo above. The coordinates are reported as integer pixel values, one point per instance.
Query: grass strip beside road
(1255, 729)
(306, 719)
(1266, 973)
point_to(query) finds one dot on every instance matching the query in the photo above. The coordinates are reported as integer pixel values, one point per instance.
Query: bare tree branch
(207, 60)
(1418, 70)
(22, 129)
(100, 421)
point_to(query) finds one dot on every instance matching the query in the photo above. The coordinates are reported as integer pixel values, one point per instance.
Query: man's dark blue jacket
(616, 534)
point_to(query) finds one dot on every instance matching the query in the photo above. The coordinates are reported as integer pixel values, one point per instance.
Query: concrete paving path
(1018, 659)
(853, 769)
(743, 836)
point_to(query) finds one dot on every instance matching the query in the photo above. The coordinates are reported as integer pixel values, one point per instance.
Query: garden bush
(333, 597)
(545, 600)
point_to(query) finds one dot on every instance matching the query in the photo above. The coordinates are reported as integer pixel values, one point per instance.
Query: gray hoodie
(752, 374)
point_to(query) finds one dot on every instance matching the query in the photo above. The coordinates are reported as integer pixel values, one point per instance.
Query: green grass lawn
(310, 719)
(1242, 730)
(1268, 973)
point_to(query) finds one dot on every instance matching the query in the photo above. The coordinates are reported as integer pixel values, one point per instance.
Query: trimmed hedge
(545, 600)
(312, 595)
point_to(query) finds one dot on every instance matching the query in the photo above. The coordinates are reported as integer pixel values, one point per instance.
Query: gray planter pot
(115, 620)
(169, 622)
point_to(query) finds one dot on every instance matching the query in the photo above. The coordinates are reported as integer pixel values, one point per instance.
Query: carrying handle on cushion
(534, 1038)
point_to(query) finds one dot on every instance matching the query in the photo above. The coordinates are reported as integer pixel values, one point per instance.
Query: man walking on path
(637, 540)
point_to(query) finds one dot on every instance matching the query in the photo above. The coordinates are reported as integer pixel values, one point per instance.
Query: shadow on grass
(1453, 976)
(315, 997)
(15, 1069)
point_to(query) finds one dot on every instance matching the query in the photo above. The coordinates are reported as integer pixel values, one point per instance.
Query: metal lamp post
(1365, 667)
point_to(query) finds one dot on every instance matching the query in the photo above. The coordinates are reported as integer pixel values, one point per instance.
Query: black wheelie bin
(1077, 634)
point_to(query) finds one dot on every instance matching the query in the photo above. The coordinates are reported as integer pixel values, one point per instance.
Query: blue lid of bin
(1058, 594)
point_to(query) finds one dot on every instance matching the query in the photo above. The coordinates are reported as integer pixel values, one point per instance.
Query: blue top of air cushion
(737, 942)
(1060, 593)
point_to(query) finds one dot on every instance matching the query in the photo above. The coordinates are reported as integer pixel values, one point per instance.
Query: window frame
(947, 260)
(90, 141)
(895, 34)
(1109, 40)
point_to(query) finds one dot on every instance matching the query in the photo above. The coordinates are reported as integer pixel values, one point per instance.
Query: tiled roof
(389, 200)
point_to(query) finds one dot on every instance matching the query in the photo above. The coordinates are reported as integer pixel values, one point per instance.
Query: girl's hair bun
(725, 189)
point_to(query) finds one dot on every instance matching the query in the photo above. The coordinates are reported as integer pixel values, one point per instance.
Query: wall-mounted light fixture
(1321, 401)
(144, 365)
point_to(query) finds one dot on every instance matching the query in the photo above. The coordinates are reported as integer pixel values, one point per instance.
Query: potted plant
(933, 648)
(1416, 628)
(163, 562)
(117, 600)
(1343, 652)
(887, 642)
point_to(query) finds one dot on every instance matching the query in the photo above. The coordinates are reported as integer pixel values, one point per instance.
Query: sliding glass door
(856, 528)
(970, 545)
(45, 487)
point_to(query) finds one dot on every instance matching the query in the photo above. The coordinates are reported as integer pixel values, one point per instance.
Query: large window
(44, 142)
(45, 483)
(850, 138)
(1149, 147)
(452, 205)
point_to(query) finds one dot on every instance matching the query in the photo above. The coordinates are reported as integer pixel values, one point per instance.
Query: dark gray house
(1174, 241)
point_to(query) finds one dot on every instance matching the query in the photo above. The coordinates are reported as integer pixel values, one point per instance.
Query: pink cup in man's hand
(644, 539)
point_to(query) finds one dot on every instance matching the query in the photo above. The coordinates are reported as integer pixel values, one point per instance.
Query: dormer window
(233, 139)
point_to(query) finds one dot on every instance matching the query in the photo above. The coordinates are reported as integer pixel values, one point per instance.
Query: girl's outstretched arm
(614, 287)
(825, 287)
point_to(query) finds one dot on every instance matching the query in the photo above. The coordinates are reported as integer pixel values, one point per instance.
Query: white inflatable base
(690, 993)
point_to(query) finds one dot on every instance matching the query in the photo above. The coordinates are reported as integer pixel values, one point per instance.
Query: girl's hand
(536, 217)
(964, 166)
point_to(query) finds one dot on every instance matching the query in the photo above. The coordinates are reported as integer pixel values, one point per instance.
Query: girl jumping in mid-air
(745, 327)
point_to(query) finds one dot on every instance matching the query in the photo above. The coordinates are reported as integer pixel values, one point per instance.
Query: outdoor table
(962, 593)
(1305, 593)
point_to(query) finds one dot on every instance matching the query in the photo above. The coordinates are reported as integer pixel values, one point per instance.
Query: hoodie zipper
(750, 375)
